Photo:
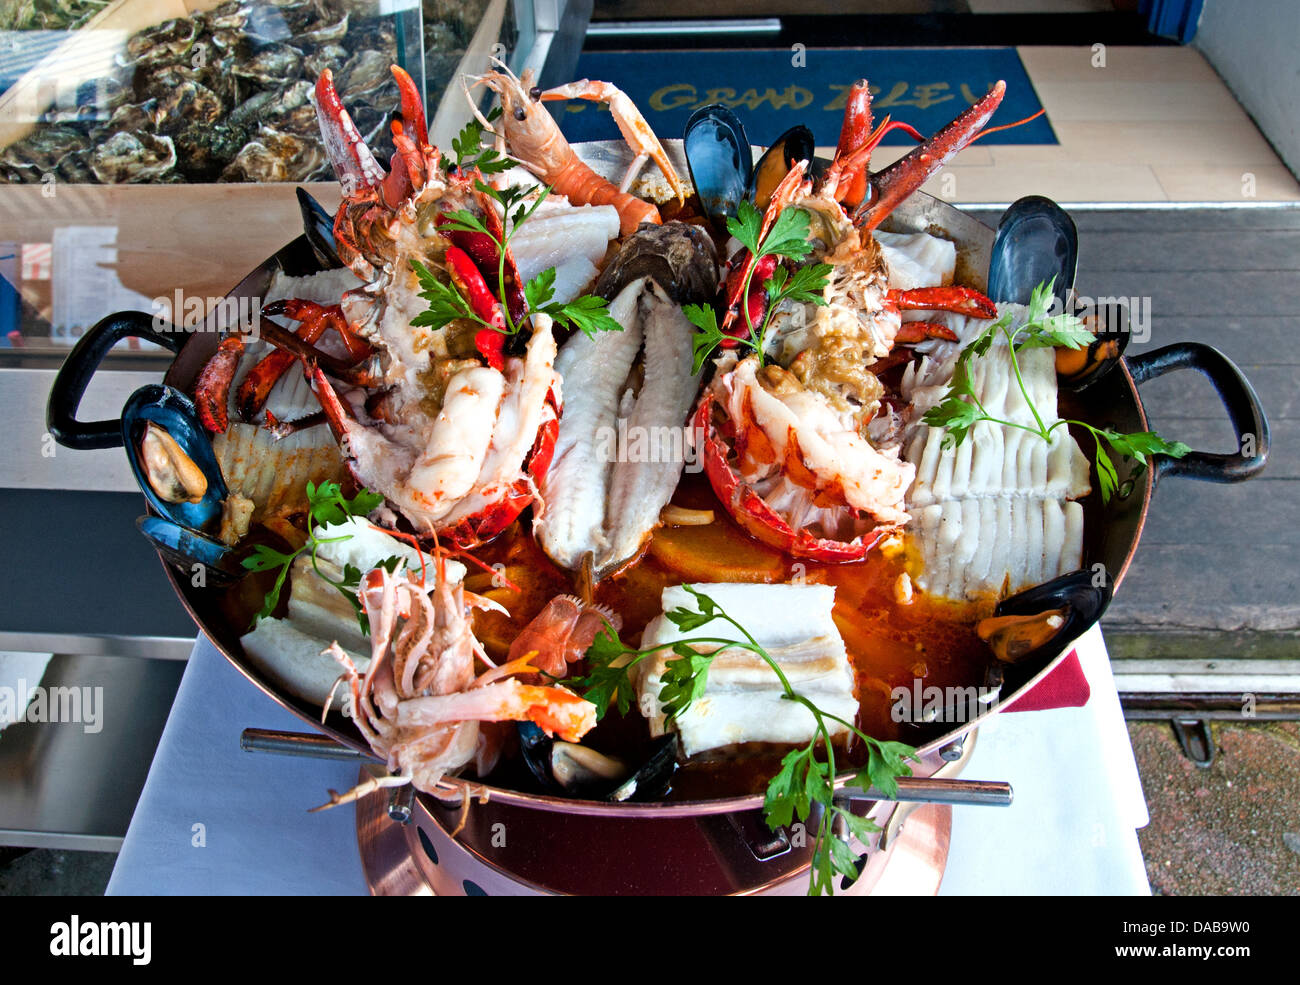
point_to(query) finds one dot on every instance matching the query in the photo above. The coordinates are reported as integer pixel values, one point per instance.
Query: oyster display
(224, 94)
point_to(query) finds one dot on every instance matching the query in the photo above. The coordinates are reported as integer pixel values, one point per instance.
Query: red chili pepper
(491, 345)
(755, 300)
(490, 341)
(485, 253)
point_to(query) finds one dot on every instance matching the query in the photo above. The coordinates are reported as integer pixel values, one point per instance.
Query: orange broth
(890, 644)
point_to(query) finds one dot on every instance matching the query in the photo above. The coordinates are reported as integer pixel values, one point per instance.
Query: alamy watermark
(658, 445)
(1112, 315)
(236, 315)
(82, 706)
(920, 704)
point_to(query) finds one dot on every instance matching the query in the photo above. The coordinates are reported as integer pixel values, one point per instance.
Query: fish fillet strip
(999, 513)
(743, 701)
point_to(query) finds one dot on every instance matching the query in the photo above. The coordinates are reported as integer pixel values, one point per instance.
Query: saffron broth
(923, 644)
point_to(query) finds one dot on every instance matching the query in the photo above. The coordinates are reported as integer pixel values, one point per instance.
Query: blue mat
(926, 87)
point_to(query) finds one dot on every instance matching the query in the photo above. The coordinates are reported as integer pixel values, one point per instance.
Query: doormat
(772, 90)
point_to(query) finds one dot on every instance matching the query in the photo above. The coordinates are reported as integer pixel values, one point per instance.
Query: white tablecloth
(215, 820)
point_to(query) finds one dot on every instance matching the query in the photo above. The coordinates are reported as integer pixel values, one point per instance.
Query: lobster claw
(896, 182)
(354, 164)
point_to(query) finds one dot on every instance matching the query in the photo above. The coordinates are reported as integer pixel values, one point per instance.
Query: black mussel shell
(796, 144)
(174, 413)
(679, 256)
(650, 782)
(1078, 369)
(185, 548)
(1083, 594)
(719, 158)
(1036, 242)
(318, 225)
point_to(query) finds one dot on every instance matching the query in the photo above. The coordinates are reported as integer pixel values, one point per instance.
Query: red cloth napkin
(1065, 687)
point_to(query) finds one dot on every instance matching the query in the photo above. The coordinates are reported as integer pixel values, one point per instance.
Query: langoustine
(421, 703)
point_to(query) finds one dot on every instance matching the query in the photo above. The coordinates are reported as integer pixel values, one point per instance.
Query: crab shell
(758, 519)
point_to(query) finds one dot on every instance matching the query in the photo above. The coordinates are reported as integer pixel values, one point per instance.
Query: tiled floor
(1150, 125)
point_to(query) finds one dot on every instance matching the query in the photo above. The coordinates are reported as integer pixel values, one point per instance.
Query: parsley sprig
(589, 314)
(786, 240)
(804, 779)
(961, 409)
(326, 505)
(470, 152)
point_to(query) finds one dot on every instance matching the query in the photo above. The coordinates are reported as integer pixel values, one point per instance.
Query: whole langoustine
(533, 138)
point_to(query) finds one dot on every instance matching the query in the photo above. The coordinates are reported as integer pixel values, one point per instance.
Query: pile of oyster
(224, 95)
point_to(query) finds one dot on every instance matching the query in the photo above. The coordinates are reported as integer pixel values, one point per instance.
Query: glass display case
(145, 145)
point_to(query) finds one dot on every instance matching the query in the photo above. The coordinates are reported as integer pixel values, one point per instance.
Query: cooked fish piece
(642, 486)
(552, 237)
(996, 514)
(917, 259)
(622, 446)
(593, 374)
(743, 698)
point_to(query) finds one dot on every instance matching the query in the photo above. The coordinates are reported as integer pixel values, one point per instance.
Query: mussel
(318, 226)
(1037, 242)
(573, 770)
(719, 158)
(1077, 369)
(1042, 619)
(796, 144)
(177, 470)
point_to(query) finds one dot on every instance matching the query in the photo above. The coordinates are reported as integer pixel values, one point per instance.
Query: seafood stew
(585, 515)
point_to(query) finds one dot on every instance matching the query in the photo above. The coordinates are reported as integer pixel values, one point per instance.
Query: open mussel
(1078, 369)
(796, 144)
(1042, 620)
(572, 770)
(719, 158)
(177, 470)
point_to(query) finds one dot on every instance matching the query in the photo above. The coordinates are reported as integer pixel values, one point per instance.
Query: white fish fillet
(573, 278)
(997, 514)
(742, 701)
(917, 259)
(642, 486)
(593, 372)
(294, 660)
(550, 238)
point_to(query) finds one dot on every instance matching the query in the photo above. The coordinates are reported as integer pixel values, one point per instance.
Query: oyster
(274, 156)
(165, 44)
(273, 63)
(132, 157)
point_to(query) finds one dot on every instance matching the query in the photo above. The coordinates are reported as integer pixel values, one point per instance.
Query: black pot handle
(75, 373)
(1239, 399)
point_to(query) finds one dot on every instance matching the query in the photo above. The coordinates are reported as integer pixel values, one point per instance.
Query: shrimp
(533, 138)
